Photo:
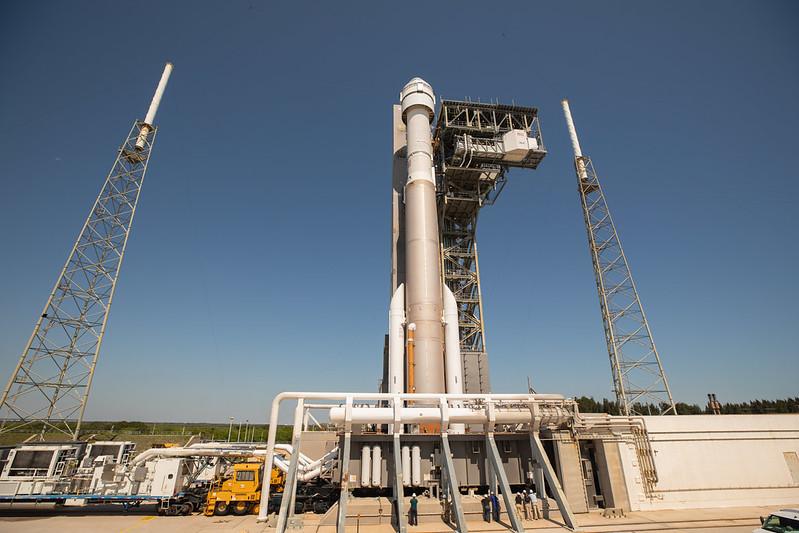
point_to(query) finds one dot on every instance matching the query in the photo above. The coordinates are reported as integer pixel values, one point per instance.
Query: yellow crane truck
(240, 493)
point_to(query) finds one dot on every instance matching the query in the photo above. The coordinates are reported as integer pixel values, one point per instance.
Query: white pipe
(154, 103)
(406, 466)
(416, 466)
(154, 453)
(396, 342)
(422, 252)
(377, 466)
(306, 469)
(302, 475)
(452, 351)
(425, 415)
(570, 125)
(366, 466)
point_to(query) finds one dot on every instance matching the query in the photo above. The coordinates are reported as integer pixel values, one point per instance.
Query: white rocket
(423, 304)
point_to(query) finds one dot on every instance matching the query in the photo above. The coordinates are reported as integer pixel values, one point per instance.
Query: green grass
(146, 434)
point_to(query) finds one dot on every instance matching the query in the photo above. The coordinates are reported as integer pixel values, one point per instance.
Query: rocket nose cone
(418, 84)
(417, 92)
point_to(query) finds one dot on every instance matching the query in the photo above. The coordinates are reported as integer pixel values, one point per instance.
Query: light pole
(230, 429)
(246, 429)
(238, 435)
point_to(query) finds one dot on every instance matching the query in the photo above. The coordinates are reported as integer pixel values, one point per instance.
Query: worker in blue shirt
(486, 502)
(495, 506)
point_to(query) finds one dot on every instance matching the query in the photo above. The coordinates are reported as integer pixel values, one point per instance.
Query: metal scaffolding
(638, 375)
(472, 162)
(50, 385)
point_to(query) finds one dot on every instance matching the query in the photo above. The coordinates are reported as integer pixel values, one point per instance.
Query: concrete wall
(716, 461)
(569, 471)
(611, 475)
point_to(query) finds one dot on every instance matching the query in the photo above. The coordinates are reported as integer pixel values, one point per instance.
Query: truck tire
(221, 508)
(240, 508)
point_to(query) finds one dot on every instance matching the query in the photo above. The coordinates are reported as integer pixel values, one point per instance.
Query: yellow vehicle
(241, 493)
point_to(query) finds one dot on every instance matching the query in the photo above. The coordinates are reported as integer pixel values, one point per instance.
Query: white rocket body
(423, 303)
(423, 290)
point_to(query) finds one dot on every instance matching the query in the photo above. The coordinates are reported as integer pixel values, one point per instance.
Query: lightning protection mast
(638, 376)
(50, 385)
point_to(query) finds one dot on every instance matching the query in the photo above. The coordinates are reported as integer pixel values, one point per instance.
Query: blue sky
(259, 258)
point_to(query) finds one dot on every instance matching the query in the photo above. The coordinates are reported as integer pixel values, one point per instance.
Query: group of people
(526, 506)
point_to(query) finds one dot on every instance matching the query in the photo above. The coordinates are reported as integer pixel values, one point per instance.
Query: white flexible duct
(306, 469)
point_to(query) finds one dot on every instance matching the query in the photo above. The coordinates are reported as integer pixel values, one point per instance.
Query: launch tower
(50, 385)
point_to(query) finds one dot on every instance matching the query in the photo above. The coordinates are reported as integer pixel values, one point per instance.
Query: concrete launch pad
(143, 520)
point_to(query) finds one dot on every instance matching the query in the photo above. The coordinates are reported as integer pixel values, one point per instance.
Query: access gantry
(475, 145)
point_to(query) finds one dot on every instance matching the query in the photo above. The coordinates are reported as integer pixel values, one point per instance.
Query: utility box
(517, 145)
(168, 477)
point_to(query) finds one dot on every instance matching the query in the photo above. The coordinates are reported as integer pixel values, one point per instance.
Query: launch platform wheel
(240, 508)
(221, 508)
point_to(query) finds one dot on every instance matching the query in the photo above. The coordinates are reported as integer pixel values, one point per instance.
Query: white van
(781, 521)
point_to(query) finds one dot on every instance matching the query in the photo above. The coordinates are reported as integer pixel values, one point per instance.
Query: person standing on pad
(486, 503)
(495, 506)
(519, 505)
(413, 513)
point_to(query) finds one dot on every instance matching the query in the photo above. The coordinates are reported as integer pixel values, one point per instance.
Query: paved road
(144, 520)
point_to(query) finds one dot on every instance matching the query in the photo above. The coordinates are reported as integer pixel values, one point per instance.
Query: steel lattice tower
(50, 385)
(472, 168)
(638, 375)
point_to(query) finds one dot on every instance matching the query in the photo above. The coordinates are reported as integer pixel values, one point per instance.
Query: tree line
(588, 404)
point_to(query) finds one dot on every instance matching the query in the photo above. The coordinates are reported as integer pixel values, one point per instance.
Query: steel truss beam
(290, 489)
(50, 385)
(502, 478)
(452, 485)
(638, 375)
